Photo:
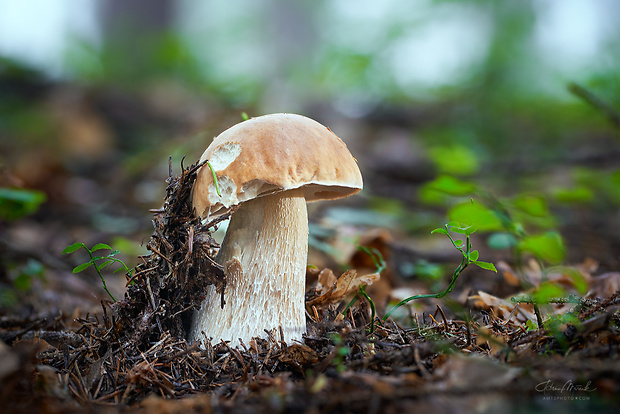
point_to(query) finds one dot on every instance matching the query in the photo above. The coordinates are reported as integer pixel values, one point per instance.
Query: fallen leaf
(503, 308)
(510, 276)
(300, 355)
(346, 284)
(604, 285)
(326, 280)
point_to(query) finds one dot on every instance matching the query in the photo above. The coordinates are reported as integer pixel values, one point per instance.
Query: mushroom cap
(273, 153)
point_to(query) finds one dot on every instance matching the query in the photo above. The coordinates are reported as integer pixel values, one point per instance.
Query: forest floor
(471, 353)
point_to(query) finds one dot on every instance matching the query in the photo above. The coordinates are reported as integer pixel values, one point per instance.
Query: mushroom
(269, 167)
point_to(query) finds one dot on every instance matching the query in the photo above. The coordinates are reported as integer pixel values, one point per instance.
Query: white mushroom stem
(264, 255)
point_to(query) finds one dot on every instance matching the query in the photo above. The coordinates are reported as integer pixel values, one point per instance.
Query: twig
(596, 102)
(157, 252)
(141, 272)
(602, 305)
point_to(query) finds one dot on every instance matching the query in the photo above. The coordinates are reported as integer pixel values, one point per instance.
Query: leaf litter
(440, 356)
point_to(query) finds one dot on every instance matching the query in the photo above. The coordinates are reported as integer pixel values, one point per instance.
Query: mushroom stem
(264, 255)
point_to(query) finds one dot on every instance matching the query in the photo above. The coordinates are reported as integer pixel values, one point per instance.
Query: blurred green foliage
(455, 159)
(21, 277)
(546, 246)
(17, 202)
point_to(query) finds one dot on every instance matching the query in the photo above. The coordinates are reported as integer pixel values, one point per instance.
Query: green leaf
(577, 194)
(81, 267)
(105, 264)
(547, 246)
(18, 202)
(475, 215)
(485, 265)
(530, 325)
(119, 261)
(440, 230)
(100, 246)
(434, 192)
(532, 204)
(548, 290)
(464, 230)
(23, 282)
(500, 241)
(473, 255)
(458, 242)
(73, 247)
(579, 281)
(455, 159)
(432, 197)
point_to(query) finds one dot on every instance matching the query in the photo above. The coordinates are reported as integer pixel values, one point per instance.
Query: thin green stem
(217, 188)
(100, 275)
(464, 263)
(373, 311)
(376, 257)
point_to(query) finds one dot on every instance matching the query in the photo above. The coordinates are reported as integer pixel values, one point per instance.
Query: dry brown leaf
(346, 284)
(299, 354)
(349, 281)
(604, 285)
(510, 276)
(503, 308)
(326, 280)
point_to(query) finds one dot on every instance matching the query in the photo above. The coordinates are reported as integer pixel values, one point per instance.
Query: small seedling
(469, 257)
(98, 262)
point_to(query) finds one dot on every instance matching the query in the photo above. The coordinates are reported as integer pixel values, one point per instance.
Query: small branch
(610, 112)
(157, 252)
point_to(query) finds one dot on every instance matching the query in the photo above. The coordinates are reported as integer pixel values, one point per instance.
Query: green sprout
(217, 188)
(95, 261)
(469, 257)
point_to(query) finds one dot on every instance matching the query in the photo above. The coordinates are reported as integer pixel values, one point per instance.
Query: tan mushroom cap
(273, 153)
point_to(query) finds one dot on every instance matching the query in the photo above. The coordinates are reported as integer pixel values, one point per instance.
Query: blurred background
(503, 115)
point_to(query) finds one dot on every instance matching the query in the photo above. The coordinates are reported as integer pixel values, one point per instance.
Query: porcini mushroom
(269, 166)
